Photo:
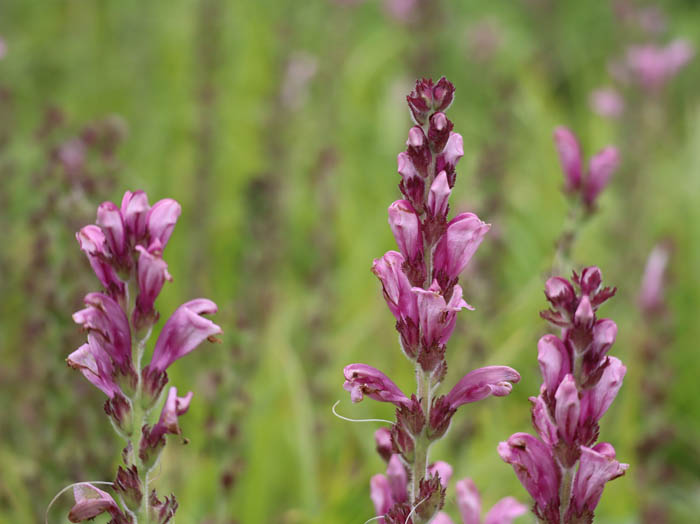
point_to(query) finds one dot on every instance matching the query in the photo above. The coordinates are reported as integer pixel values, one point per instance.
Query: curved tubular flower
(534, 466)
(361, 379)
(161, 220)
(91, 502)
(482, 383)
(463, 237)
(95, 365)
(437, 317)
(94, 243)
(105, 318)
(594, 471)
(183, 332)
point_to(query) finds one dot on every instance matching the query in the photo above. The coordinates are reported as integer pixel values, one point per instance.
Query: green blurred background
(276, 125)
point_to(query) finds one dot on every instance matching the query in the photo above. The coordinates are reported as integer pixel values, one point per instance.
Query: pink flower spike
(594, 471)
(161, 220)
(569, 156)
(361, 379)
(405, 226)
(455, 249)
(482, 383)
(91, 502)
(505, 511)
(183, 332)
(601, 168)
(468, 501)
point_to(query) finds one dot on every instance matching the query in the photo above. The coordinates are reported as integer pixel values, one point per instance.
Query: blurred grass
(281, 228)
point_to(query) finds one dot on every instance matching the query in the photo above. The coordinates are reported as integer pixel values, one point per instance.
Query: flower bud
(419, 150)
(584, 315)
(443, 94)
(128, 486)
(439, 196)
(161, 220)
(432, 495)
(560, 293)
(439, 132)
(119, 409)
(382, 438)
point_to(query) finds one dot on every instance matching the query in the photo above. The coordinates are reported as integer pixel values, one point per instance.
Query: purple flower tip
(361, 379)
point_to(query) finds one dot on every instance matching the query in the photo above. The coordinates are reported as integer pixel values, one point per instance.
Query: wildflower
(580, 382)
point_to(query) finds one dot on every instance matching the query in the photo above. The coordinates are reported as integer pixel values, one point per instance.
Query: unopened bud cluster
(125, 249)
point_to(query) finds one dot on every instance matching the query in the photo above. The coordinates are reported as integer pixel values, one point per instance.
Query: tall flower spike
(564, 470)
(421, 288)
(125, 250)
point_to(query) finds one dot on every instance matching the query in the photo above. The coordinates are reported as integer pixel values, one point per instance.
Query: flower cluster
(564, 469)
(125, 249)
(586, 185)
(389, 490)
(420, 285)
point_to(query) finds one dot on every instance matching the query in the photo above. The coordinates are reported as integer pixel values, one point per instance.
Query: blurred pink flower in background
(651, 66)
(484, 40)
(401, 10)
(3, 48)
(607, 102)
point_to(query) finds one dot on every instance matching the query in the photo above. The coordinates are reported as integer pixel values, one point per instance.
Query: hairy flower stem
(564, 244)
(140, 415)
